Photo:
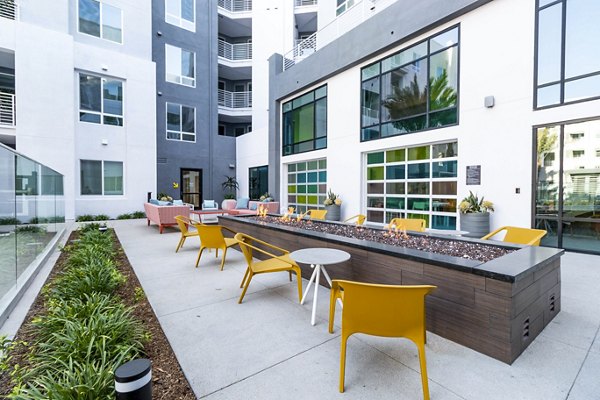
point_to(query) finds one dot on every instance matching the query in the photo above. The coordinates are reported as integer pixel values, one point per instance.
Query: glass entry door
(567, 200)
(191, 186)
(258, 181)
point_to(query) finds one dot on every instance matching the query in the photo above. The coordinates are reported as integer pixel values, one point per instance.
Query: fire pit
(492, 297)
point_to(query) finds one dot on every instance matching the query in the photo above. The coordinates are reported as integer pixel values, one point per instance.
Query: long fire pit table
(493, 297)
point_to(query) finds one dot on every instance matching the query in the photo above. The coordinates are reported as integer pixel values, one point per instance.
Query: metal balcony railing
(301, 3)
(235, 51)
(234, 99)
(7, 109)
(236, 5)
(353, 16)
(8, 9)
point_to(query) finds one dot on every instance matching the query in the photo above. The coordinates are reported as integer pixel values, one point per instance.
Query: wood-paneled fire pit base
(496, 307)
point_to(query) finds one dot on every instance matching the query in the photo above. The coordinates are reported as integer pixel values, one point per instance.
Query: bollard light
(133, 380)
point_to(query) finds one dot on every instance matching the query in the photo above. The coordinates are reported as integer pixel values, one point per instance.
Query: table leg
(314, 310)
(310, 281)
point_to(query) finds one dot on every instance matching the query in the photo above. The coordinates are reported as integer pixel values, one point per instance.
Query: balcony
(235, 105)
(8, 9)
(303, 3)
(236, 5)
(7, 110)
(235, 51)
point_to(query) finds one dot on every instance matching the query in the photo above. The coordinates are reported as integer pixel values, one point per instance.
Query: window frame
(192, 24)
(102, 178)
(180, 132)
(428, 111)
(344, 7)
(563, 80)
(101, 36)
(101, 113)
(180, 76)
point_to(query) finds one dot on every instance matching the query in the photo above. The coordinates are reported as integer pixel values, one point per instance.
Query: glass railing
(32, 215)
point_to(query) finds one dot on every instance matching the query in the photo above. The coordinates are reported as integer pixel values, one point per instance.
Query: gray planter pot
(477, 224)
(333, 213)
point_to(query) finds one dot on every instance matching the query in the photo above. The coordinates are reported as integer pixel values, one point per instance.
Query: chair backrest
(360, 219)
(182, 223)
(417, 225)
(317, 214)
(519, 235)
(210, 205)
(243, 240)
(211, 236)
(384, 310)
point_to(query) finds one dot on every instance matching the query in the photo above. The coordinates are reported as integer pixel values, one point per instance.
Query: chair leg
(217, 255)
(245, 287)
(245, 276)
(332, 302)
(299, 279)
(223, 260)
(290, 275)
(424, 379)
(199, 255)
(343, 361)
(181, 242)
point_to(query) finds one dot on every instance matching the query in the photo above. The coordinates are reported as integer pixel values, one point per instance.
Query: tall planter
(333, 213)
(477, 224)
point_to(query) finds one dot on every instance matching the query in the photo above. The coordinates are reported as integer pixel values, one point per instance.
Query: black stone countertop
(508, 268)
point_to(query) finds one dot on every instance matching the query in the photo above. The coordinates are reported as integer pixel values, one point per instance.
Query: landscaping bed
(68, 348)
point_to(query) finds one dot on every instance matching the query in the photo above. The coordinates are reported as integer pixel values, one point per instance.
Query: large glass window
(305, 122)
(307, 184)
(101, 177)
(100, 20)
(412, 90)
(258, 181)
(568, 52)
(413, 182)
(180, 66)
(100, 100)
(181, 13)
(181, 122)
(567, 199)
(342, 6)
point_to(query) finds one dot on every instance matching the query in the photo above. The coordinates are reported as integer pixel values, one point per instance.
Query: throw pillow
(164, 203)
(154, 201)
(209, 204)
(242, 203)
(177, 202)
(253, 206)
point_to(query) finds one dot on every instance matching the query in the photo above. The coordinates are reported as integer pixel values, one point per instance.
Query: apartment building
(77, 93)
(420, 103)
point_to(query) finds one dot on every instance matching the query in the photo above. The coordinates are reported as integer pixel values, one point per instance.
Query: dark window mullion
(563, 51)
(559, 217)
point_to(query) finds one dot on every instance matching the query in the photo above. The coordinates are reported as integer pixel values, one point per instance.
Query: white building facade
(82, 82)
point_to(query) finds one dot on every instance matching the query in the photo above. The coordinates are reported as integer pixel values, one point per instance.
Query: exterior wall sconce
(489, 101)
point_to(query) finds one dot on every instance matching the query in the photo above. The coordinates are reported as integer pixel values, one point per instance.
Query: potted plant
(266, 197)
(333, 205)
(230, 187)
(475, 215)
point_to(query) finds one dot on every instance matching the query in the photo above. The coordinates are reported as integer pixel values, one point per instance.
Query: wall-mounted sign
(473, 174)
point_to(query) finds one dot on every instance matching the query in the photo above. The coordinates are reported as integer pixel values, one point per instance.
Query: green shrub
(85, 218)
(9, 221)
(102, 217)
(138, 215)
(124, 216)
(30, 229)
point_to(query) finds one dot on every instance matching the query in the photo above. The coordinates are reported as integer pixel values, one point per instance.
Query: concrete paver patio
(266, 348)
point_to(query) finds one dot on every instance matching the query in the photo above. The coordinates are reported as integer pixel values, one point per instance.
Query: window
(239, 131)
(413, 182)
(342, 6)
(101, 177)
(568, 53)
(100, 20)
(597, 153)
(305, 122)
(180, 66)
(413, 90)
(181, 13)
(578, 153)
(181, 122)
(100, 100)
(307, 184)
(258, 181)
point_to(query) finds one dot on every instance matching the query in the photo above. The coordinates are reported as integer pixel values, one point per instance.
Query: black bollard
(133, 380)
(149, 197)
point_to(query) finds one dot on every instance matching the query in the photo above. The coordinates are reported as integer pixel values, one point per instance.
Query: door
(191, 186)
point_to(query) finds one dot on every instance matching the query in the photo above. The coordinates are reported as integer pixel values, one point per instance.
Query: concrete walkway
(265, 348)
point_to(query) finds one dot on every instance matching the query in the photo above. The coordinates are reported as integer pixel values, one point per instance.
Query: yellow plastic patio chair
(518, 235)
(381, 310)
(211, 237)
(417, 225)
(360, 219)
(275, 263)
(184, 224)
(316, 214)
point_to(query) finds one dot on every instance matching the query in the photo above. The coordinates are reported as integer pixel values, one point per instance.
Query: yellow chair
(518, 235)
(381, 310)
(211, 237)
(184, 223)
(360, 219)
(317, 214)
(417, 225)
(275, 263)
